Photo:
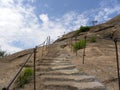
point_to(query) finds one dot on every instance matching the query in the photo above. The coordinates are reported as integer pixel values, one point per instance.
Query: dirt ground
(100, 61)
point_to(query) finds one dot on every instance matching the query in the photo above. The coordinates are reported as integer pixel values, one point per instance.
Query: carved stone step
(71, 85)
(77, 78)
(60, 72)
(62, 67)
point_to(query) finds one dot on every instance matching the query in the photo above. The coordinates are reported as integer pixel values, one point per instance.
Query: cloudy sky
(26, 23)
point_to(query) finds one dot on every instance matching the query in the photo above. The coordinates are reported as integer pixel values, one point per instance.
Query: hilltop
(100, 60)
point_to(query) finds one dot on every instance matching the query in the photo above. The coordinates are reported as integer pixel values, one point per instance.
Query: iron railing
(19, 71)
(84, 50)
(116, 50)
(117, 59)
(45, 43)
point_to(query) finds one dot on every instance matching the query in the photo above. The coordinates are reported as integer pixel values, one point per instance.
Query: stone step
(72, 85)
(43, 64)
(58, 67)
(56, 61)
(39, 73)
(60, 72)
(61, 61)
(68, 71)
(48, 63)
(64, 59)
(43, 68)
(52, 64)
(62, 67)
(77, 78)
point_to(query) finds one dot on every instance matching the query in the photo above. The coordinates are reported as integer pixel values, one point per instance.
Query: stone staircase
(61, 74)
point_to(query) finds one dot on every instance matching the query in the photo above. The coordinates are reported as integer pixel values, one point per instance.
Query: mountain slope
(61, 61)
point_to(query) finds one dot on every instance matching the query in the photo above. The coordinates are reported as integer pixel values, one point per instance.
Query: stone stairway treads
(48, 58)
(59, 67)
(72, 85)
(45, 69)
(54, 63)
(56, 72)
(61, 74)
(77, 78)
(61, 61)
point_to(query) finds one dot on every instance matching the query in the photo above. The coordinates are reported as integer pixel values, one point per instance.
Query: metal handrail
(34, 52)
(11, 82)
(117, 60)
(35, 67)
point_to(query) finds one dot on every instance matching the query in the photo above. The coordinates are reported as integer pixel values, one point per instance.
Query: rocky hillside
(58, 67)
(104, 30)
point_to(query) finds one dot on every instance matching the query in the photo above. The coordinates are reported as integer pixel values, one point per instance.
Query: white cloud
(57, 27)
(107, 8)
(44, 18)
(20, 28)
(13, 23)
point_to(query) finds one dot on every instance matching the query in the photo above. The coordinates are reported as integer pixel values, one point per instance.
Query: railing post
(71, 43)
(42, 51)
(35, 67)
(84, 50)
(117, 59)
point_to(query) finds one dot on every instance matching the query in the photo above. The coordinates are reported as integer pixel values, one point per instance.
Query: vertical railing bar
(117, 60)
(84, 50)
(71, 43)
(35, 67)
(43, 47)
(7, 88)
(42, 51)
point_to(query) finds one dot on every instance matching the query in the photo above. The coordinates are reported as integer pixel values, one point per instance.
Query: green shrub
(93, 39)
(82, 29)
(25, 77)
(79, 45)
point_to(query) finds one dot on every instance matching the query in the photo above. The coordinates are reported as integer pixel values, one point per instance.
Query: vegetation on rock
(92, 39)
(79, 45)
(82, 29)
(25, 77)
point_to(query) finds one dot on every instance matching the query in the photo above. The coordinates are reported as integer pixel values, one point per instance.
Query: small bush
(93, 39)
(25, 77)
(79, 45)
(82, 29)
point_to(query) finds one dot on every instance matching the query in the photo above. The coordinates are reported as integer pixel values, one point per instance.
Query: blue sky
(60, 7)
(26, 23)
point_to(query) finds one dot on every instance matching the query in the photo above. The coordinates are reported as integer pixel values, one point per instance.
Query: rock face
(55, 69)
(56, 72)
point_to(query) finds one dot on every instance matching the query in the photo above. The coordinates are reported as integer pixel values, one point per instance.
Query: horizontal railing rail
(11, 82)
(45, 43)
